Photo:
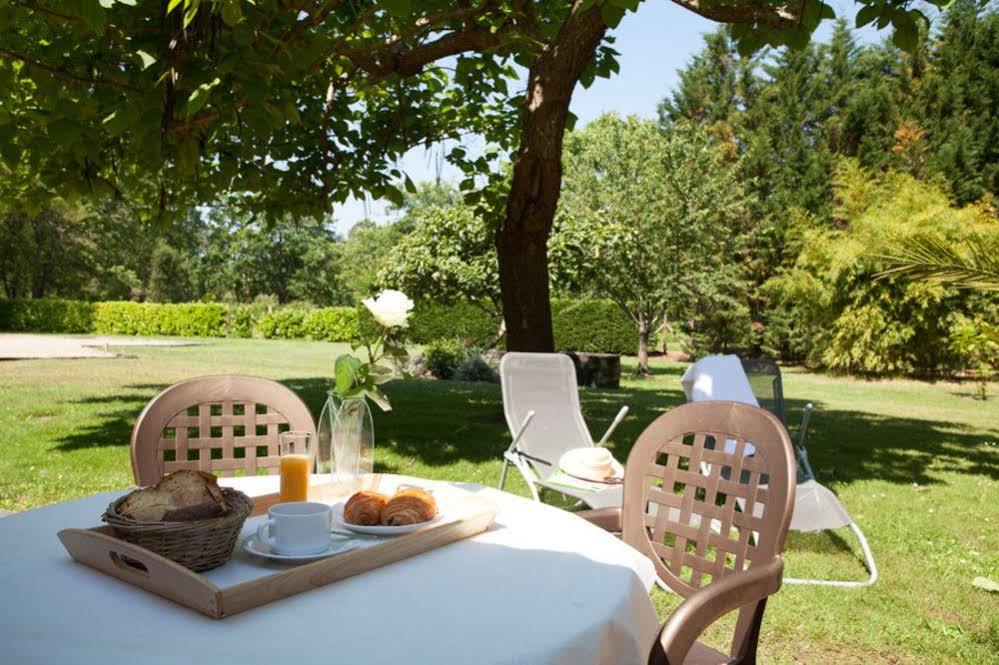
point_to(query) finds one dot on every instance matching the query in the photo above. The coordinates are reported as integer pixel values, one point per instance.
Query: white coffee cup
(300, 527)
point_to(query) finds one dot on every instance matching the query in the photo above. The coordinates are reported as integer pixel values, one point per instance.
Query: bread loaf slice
(148, 505)
(182, 496)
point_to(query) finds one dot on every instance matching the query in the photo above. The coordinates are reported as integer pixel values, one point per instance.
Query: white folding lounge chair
(816, 508)
(541, 404)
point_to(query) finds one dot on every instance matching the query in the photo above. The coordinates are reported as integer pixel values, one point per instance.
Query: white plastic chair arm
(617, 421)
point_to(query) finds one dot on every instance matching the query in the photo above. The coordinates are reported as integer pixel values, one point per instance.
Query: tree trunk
(643, 347)
(522, 240)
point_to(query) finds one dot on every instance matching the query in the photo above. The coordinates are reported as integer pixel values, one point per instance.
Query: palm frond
(972, 264)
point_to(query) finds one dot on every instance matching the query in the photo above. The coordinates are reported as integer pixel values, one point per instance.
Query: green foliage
(181, 107)
(432, 321)
(284, 323)
(168, 276)
(46, 316)
(444, 357)
(579, 325)
(648, 219)
(976, 342)
(591, 325)
(475, 368)
(187, 319)
(850, 320)
(448, 256)
(332, 324)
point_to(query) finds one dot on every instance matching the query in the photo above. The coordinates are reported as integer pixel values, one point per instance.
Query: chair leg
(747, 650)
(868, 559)
(502, 482)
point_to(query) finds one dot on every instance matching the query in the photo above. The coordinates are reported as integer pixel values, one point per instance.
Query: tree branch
(67, 75)
(776, 17)
(408, 63)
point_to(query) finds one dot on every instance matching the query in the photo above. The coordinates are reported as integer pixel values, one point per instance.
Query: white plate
(336, 546)
(339, 522)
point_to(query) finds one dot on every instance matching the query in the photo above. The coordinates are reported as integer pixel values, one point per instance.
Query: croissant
(364, 508)
(409, 507)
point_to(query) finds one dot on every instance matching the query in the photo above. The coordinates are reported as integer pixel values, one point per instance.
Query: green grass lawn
(915, 463)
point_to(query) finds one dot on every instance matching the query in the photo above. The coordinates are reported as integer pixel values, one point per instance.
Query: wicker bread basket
(199, 545)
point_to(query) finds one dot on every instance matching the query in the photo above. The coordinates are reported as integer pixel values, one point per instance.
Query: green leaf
(118, 121)
(231, 13)
(400, 8)
(379, 398)
(106, 4)
(345, 371)
(199, 97)
(906, 35)
(867, 14)
(173, 5)
(146, 60)
(570, 121)
(611, 15)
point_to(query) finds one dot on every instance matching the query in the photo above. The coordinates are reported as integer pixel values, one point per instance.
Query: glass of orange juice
(297, 458)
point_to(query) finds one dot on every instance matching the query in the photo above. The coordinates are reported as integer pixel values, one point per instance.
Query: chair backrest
(698, 512)
(764, 378)
(546, 384)
(714, 378)
(221, 424)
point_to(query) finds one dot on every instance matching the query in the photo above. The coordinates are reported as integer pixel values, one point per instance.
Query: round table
(541, 586)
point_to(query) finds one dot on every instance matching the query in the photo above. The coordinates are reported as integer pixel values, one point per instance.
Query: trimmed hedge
(143, 318)
(464, 321)
(281, 324)
(596, 326)
(48, 316)
(332, 324)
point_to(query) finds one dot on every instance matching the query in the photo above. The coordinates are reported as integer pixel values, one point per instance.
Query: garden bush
(474, 368)
(597, 326)
(444, 356)
(48, 316)
(332, 324)
(432, 321)
(281, 324)
(183, 319)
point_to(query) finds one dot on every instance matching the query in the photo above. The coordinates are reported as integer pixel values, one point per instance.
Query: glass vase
(346, 435)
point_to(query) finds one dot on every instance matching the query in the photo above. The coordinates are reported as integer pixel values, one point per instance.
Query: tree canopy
(290, 108)
(649, 218)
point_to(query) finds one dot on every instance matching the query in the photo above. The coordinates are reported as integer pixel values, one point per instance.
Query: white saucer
(378, 530)
(337, 546)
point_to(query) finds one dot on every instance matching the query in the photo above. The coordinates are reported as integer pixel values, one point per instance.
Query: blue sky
(654, 43)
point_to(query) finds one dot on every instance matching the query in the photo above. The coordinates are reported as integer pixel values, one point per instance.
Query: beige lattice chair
(219, 424)
(713, 522)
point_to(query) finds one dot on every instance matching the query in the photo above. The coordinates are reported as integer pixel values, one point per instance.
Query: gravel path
(15, 346)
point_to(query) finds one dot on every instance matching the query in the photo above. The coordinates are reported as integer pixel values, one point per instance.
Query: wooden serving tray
(465, 515)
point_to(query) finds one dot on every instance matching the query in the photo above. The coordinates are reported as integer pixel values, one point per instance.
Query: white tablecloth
(542, 586)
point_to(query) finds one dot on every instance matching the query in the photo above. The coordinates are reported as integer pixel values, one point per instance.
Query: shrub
(444, 356)
(976, 342)
(281, 324)
(332, 324)
(475, 368)
(242, 319)
(597, 326)
(136, 318)
(432, 321)
(50, 316)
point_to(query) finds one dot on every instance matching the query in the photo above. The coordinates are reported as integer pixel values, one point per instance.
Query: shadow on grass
(441, 422)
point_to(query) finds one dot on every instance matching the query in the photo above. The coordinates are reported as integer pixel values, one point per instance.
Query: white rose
(390, 308)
